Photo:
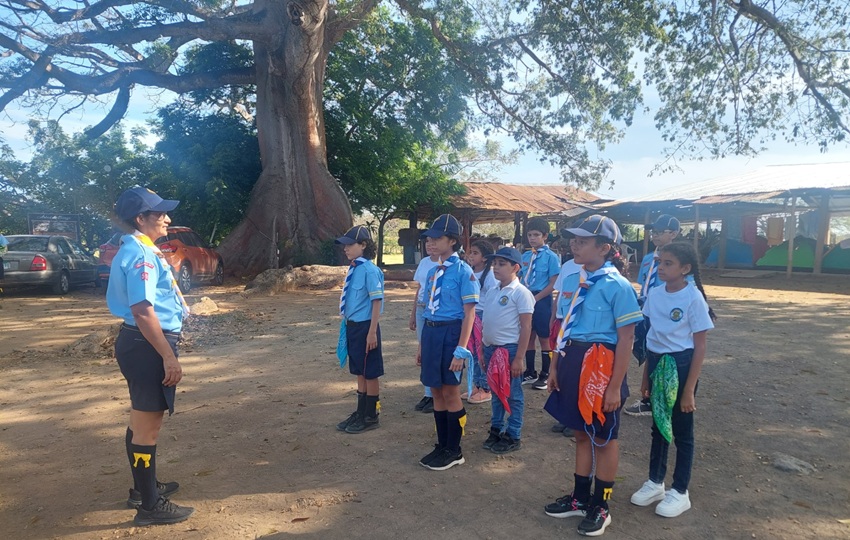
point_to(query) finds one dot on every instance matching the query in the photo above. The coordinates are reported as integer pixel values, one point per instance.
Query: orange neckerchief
(144, 240)
(596, 371)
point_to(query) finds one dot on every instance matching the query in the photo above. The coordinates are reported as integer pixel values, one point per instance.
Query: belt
(136, 329)
(429, 322)
(588, 344)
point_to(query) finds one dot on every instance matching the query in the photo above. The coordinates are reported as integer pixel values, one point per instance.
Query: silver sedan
(53, 261)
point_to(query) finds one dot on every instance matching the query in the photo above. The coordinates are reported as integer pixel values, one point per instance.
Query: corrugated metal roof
(536, 199)
(774, 178)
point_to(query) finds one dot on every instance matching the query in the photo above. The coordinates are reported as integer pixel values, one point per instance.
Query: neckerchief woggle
(144, 240)
(585, 282)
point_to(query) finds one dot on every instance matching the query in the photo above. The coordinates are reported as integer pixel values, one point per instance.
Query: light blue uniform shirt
(645, 263)
(367, 284)
(609, 304)
(138, 274)
(546, 264)
(459, 287)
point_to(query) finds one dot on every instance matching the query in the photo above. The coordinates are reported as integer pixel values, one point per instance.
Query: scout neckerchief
(144, 240)
(531, 273)
(665, 388)
(437, 284)
(354, 264)
(651, 276)
(572, 316)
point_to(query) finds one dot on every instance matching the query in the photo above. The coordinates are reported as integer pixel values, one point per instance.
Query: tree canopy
(561, 78)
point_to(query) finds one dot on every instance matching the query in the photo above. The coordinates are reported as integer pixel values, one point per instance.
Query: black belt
(429, 322)
(588, 344)
(136, 329)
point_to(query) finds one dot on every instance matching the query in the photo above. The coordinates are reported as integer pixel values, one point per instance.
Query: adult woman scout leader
(143, 292)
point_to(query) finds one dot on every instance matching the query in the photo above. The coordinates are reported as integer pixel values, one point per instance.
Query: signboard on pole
(67, 225)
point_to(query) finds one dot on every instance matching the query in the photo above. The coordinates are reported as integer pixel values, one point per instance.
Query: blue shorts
(540, 317)
(563, 404)
(439, 340)
(369, 365)
(142, 367)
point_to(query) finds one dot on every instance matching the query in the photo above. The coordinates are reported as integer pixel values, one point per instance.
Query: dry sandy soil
(254, 447)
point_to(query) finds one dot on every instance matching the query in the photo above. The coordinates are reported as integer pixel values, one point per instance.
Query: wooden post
(823, 232)
(696, 229)
(721, 249)
(467, 229)
(517, 239)
(645, 236)
(791, 233)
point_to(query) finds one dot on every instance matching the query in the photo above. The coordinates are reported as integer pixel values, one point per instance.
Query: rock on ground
(787, 463)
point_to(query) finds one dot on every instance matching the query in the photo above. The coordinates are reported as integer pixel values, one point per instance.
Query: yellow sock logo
(377, 406)
(462, 422)
(606, 493)
(146, 458)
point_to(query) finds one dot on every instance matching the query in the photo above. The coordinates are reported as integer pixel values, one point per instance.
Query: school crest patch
(503, 301)
(676, 314)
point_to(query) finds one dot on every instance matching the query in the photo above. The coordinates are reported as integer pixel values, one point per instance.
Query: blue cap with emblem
(356, 234)
(595, 225)
(508, 253)
(134, 201)
(442, 226)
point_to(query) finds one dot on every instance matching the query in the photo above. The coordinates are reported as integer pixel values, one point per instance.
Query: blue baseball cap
(666, 222)
(134, 201)
(356, 234)
(595, 225)
(442, 226)
(508, 253)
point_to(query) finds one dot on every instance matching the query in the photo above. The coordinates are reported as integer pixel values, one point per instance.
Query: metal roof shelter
(777, 189)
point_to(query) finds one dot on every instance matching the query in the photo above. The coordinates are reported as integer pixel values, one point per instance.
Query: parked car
(54, 261)
(191, 258)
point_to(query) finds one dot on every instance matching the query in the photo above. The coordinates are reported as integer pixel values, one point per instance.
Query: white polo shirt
(674, 318)
(503, 307)
(421, 277)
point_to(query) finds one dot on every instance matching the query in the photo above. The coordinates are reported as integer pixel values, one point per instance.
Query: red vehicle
(191, 259)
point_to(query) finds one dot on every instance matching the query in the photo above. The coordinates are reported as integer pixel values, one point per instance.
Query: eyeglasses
(159, 216)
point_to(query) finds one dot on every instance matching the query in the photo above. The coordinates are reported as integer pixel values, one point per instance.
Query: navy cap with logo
(134, 201)
(666, 223)
(442, 226)
(356, 234)
(508, 253)
(595, 225)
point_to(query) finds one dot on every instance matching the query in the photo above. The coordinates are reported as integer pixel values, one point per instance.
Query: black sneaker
(164, 513)
(594, 522)
(422, 402)
(540, 383)
(638, 408)
(345, 423)
(446, 459)
(495, 436)
(430, 455)
(163, 490)
(506, 444)
(529, 377)
(363, 423)
(428, 408)
(566, 506)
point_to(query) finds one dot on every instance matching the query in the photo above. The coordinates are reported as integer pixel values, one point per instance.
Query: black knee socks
(128, 440)
(544, 362)
(581, 489)
(441, 421)
(143, 467)
(601, 493)
(529, 360)
(371, 406)
(456, 420)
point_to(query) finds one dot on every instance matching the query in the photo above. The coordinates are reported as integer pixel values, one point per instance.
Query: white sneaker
(674, 504)
(648, 493)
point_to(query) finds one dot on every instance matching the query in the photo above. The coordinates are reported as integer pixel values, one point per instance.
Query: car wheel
(184, 279)
(218, 276)
(63, 285)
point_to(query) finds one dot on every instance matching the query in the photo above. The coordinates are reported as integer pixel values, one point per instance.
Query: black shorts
(540, 317)
(142, 366)
(563, 404)
(369, 365)
(439, 341)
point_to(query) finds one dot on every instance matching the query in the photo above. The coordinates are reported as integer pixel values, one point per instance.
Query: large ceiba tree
(559, 76)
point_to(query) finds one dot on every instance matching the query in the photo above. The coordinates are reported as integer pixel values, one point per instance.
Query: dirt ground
(254, 447)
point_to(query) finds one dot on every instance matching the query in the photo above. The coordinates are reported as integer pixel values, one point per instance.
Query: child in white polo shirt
(507, 324)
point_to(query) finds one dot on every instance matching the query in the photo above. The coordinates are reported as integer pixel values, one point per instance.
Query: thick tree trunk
(295, 185)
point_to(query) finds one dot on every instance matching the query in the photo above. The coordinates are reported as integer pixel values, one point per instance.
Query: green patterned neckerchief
(665, 388)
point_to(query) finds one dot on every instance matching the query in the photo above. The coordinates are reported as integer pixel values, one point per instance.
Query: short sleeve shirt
(421, 277)
(609, 304)
(489, 284)
(137, 274)
(503, 306)
(546, 265)
(565, 295)
(459, 287)
(675, 318)
(367, 284)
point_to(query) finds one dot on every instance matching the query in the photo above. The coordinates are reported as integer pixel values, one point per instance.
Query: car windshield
(27, 243)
